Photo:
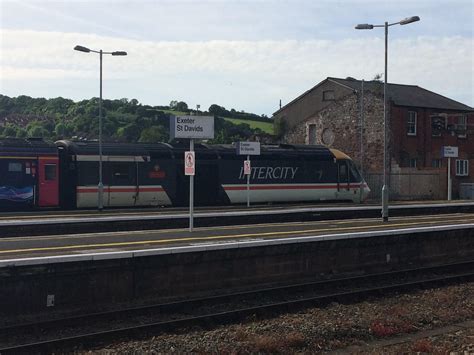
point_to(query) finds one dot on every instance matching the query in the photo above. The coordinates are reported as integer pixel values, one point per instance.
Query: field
(266, 127)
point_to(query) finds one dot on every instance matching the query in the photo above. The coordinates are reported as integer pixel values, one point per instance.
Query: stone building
(420, 123)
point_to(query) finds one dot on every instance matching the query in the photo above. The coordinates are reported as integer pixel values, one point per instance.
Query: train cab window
(14, 167)
(343, 172)
(50, 172)
(354, 173)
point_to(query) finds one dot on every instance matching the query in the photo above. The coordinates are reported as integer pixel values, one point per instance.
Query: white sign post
(247, 170)
(191, 127)
(449, 152)
(248, 148)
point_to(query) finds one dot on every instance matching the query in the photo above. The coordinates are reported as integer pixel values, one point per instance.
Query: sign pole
(191, 190)
(248, 185)
(449, 152)
(449, 179)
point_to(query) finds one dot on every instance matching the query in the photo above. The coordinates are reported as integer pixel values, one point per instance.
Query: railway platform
(43, 276)
(84, 221)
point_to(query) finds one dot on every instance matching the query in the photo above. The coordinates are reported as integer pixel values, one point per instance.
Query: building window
(438, 124)
(328, 95)
(461, 126)
(413, 162)
(436, 163)
(411, 123)
(462, 167)
(312, 134)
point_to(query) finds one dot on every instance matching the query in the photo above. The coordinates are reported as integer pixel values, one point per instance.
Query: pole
(385, 128)
(101, 185)
(248, 185)
(361, 139)
(449, 179)
(191, 190)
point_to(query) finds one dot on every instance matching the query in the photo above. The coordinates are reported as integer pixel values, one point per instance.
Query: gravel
(398, 323)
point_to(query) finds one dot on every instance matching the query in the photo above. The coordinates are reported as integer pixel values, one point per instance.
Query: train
(65, 174)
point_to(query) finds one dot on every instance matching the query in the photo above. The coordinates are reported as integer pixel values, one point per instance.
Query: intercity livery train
(38, 174)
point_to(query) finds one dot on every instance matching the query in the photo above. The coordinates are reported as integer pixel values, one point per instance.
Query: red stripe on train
(288, 187)
(119, 189)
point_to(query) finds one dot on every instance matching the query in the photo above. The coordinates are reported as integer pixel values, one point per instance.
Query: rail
(222, 309)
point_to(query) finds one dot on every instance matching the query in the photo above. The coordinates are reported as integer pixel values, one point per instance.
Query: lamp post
(100, 186)
(385, 188)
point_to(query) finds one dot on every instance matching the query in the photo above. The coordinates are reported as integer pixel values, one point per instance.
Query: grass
(266, 127)
(175, 113)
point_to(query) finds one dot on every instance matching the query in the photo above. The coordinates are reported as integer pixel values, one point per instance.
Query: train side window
(50, 172)
(122, 174)
(15, 167)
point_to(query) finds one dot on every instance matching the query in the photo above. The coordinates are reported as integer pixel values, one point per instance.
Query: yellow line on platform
(234, 227)
(205, 238)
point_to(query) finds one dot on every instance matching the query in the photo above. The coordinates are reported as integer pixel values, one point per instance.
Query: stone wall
(338, 126)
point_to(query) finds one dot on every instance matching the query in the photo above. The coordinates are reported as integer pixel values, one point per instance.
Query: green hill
(266, 127)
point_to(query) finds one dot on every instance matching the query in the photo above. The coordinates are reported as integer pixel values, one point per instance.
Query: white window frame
(464, 119)
(462, 167)
(412, 121)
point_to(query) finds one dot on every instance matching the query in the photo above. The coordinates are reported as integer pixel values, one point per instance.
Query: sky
(241, 54)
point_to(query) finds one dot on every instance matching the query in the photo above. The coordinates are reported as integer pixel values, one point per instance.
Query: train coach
(28, 174)
(153, 175)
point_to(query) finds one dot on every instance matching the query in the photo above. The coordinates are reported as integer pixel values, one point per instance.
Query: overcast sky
(245, 55)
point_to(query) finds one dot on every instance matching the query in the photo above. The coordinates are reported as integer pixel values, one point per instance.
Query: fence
(409, 185)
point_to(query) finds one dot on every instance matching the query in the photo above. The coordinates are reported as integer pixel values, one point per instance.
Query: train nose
(365, 191)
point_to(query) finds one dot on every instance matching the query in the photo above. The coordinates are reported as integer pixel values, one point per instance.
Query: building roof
(399, 94)
(407, 95)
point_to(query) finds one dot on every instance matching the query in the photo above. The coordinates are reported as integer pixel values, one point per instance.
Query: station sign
(449, 152)
(189, 163)
(193, 127)
(248, 148)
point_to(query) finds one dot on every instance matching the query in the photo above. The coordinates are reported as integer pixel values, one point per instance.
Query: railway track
(93, 329)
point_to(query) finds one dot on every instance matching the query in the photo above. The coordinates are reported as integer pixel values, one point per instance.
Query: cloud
(249, 75)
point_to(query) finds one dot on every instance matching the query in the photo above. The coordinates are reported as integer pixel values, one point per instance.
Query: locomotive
(38, 174)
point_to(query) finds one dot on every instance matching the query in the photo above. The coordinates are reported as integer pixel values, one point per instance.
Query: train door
(48, 182)
(343, 180)
(122, 188)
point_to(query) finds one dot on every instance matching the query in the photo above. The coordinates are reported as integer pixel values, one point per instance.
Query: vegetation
(123, 120)
(266, 127)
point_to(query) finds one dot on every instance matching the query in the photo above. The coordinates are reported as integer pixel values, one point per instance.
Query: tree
(378, 77)
(10, 131)
(173, 104)
(182, 106)
(37, 131)
(154, 134)
(130, 133)
(217, 110)
(21, 133)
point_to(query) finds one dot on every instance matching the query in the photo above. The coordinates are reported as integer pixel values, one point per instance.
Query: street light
(385, 188)
(100, 186)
